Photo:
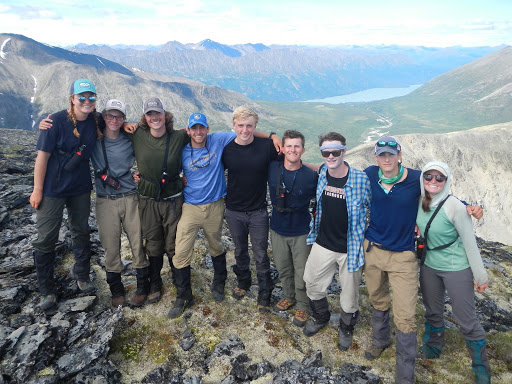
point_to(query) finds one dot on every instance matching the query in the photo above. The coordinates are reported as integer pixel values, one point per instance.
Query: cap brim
(381, 150)
(160, 110)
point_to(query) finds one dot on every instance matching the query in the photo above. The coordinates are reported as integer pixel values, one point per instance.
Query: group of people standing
(167, 213)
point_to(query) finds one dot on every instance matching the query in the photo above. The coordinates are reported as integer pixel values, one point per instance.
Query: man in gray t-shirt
(117, 205)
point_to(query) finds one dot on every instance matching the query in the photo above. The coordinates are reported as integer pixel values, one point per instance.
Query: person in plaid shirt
(343, 197)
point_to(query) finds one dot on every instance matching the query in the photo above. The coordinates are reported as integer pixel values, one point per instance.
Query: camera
(108, 180)
(281, 198)
(75, 159)
(164, 178)
(420, 247)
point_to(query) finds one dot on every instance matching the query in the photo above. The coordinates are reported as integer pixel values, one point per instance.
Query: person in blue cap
(203, 208)
(62, 179)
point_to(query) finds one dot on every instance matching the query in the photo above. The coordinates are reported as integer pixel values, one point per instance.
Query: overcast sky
(313, 22)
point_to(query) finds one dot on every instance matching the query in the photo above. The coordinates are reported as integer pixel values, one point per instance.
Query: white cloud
(322, 22)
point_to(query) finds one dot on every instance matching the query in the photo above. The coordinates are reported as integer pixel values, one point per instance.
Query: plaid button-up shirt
(358, 197)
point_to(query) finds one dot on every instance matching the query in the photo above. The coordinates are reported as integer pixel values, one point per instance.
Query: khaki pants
(399, 270)
(290, 256)
(209, 217)
(113, 216)
(320, 269)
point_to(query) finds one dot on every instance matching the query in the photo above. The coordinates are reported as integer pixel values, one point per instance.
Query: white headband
(332, 146)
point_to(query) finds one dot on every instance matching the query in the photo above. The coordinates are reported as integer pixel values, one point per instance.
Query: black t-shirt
(333, 229)
(247, 167)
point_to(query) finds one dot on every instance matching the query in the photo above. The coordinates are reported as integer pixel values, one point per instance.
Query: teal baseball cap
(81, 86)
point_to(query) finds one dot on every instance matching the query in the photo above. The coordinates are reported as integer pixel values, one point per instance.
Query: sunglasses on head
(392, 144)
(336, 153)
(439, 178)
(82, 99)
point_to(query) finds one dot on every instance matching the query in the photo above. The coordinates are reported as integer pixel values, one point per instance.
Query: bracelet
(271, 134)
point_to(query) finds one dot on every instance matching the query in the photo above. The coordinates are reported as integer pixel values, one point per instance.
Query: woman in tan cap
(452, 262)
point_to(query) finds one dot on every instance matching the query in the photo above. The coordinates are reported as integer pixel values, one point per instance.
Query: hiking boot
(428, 352)
(143, 287)
(118, 301)
(300, 318)
(313, 326)
(83, 286)
(374, 352)
(283, 305)
(239, 293)
(220, 275)
(154, 297)
(138, 300)
(345, 337)
(179, 307)
(263, 308)
(48, 302)
(480, 363)
(218, 296)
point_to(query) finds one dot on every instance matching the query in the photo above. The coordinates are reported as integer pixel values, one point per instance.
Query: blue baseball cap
(81, 86)
(197, 118)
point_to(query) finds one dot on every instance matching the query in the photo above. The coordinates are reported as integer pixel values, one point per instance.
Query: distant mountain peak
(222, 48)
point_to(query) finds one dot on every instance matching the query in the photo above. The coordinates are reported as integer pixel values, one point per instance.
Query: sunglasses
(108, 116)
(336, 153)
(392, 144)
(439, 178)
(82, 99)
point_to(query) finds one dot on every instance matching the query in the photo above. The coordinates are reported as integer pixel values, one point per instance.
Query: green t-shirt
(149, 154)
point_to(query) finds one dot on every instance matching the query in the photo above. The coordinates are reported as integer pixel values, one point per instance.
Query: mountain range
(36, 78)
(291, 73)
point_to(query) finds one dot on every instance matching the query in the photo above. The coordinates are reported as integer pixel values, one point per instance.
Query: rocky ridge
(86, 341)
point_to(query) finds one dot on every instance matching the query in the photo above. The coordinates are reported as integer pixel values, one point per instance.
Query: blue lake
(372, 94)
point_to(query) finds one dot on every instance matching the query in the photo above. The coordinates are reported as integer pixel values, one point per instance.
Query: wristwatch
(271, 133)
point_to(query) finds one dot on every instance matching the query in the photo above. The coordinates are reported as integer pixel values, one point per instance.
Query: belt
(117, 196)
(377, 245)
(170, 198)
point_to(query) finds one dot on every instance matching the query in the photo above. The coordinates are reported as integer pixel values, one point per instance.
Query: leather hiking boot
(118, 301)
(263, 308)
(138, 299)
(239, 293)
(155, 294)
(300, 318)
(83, 286)
(179, 307)
(313, 326)
(48, 302)
(345, 337)
(283, 305)
(374, 352)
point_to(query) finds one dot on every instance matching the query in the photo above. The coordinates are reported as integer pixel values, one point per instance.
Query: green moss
(499, 345)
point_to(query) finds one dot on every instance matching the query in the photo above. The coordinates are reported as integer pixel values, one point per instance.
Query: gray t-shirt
(120, 158)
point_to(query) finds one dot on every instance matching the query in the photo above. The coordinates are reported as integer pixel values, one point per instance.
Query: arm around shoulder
(456, 212)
